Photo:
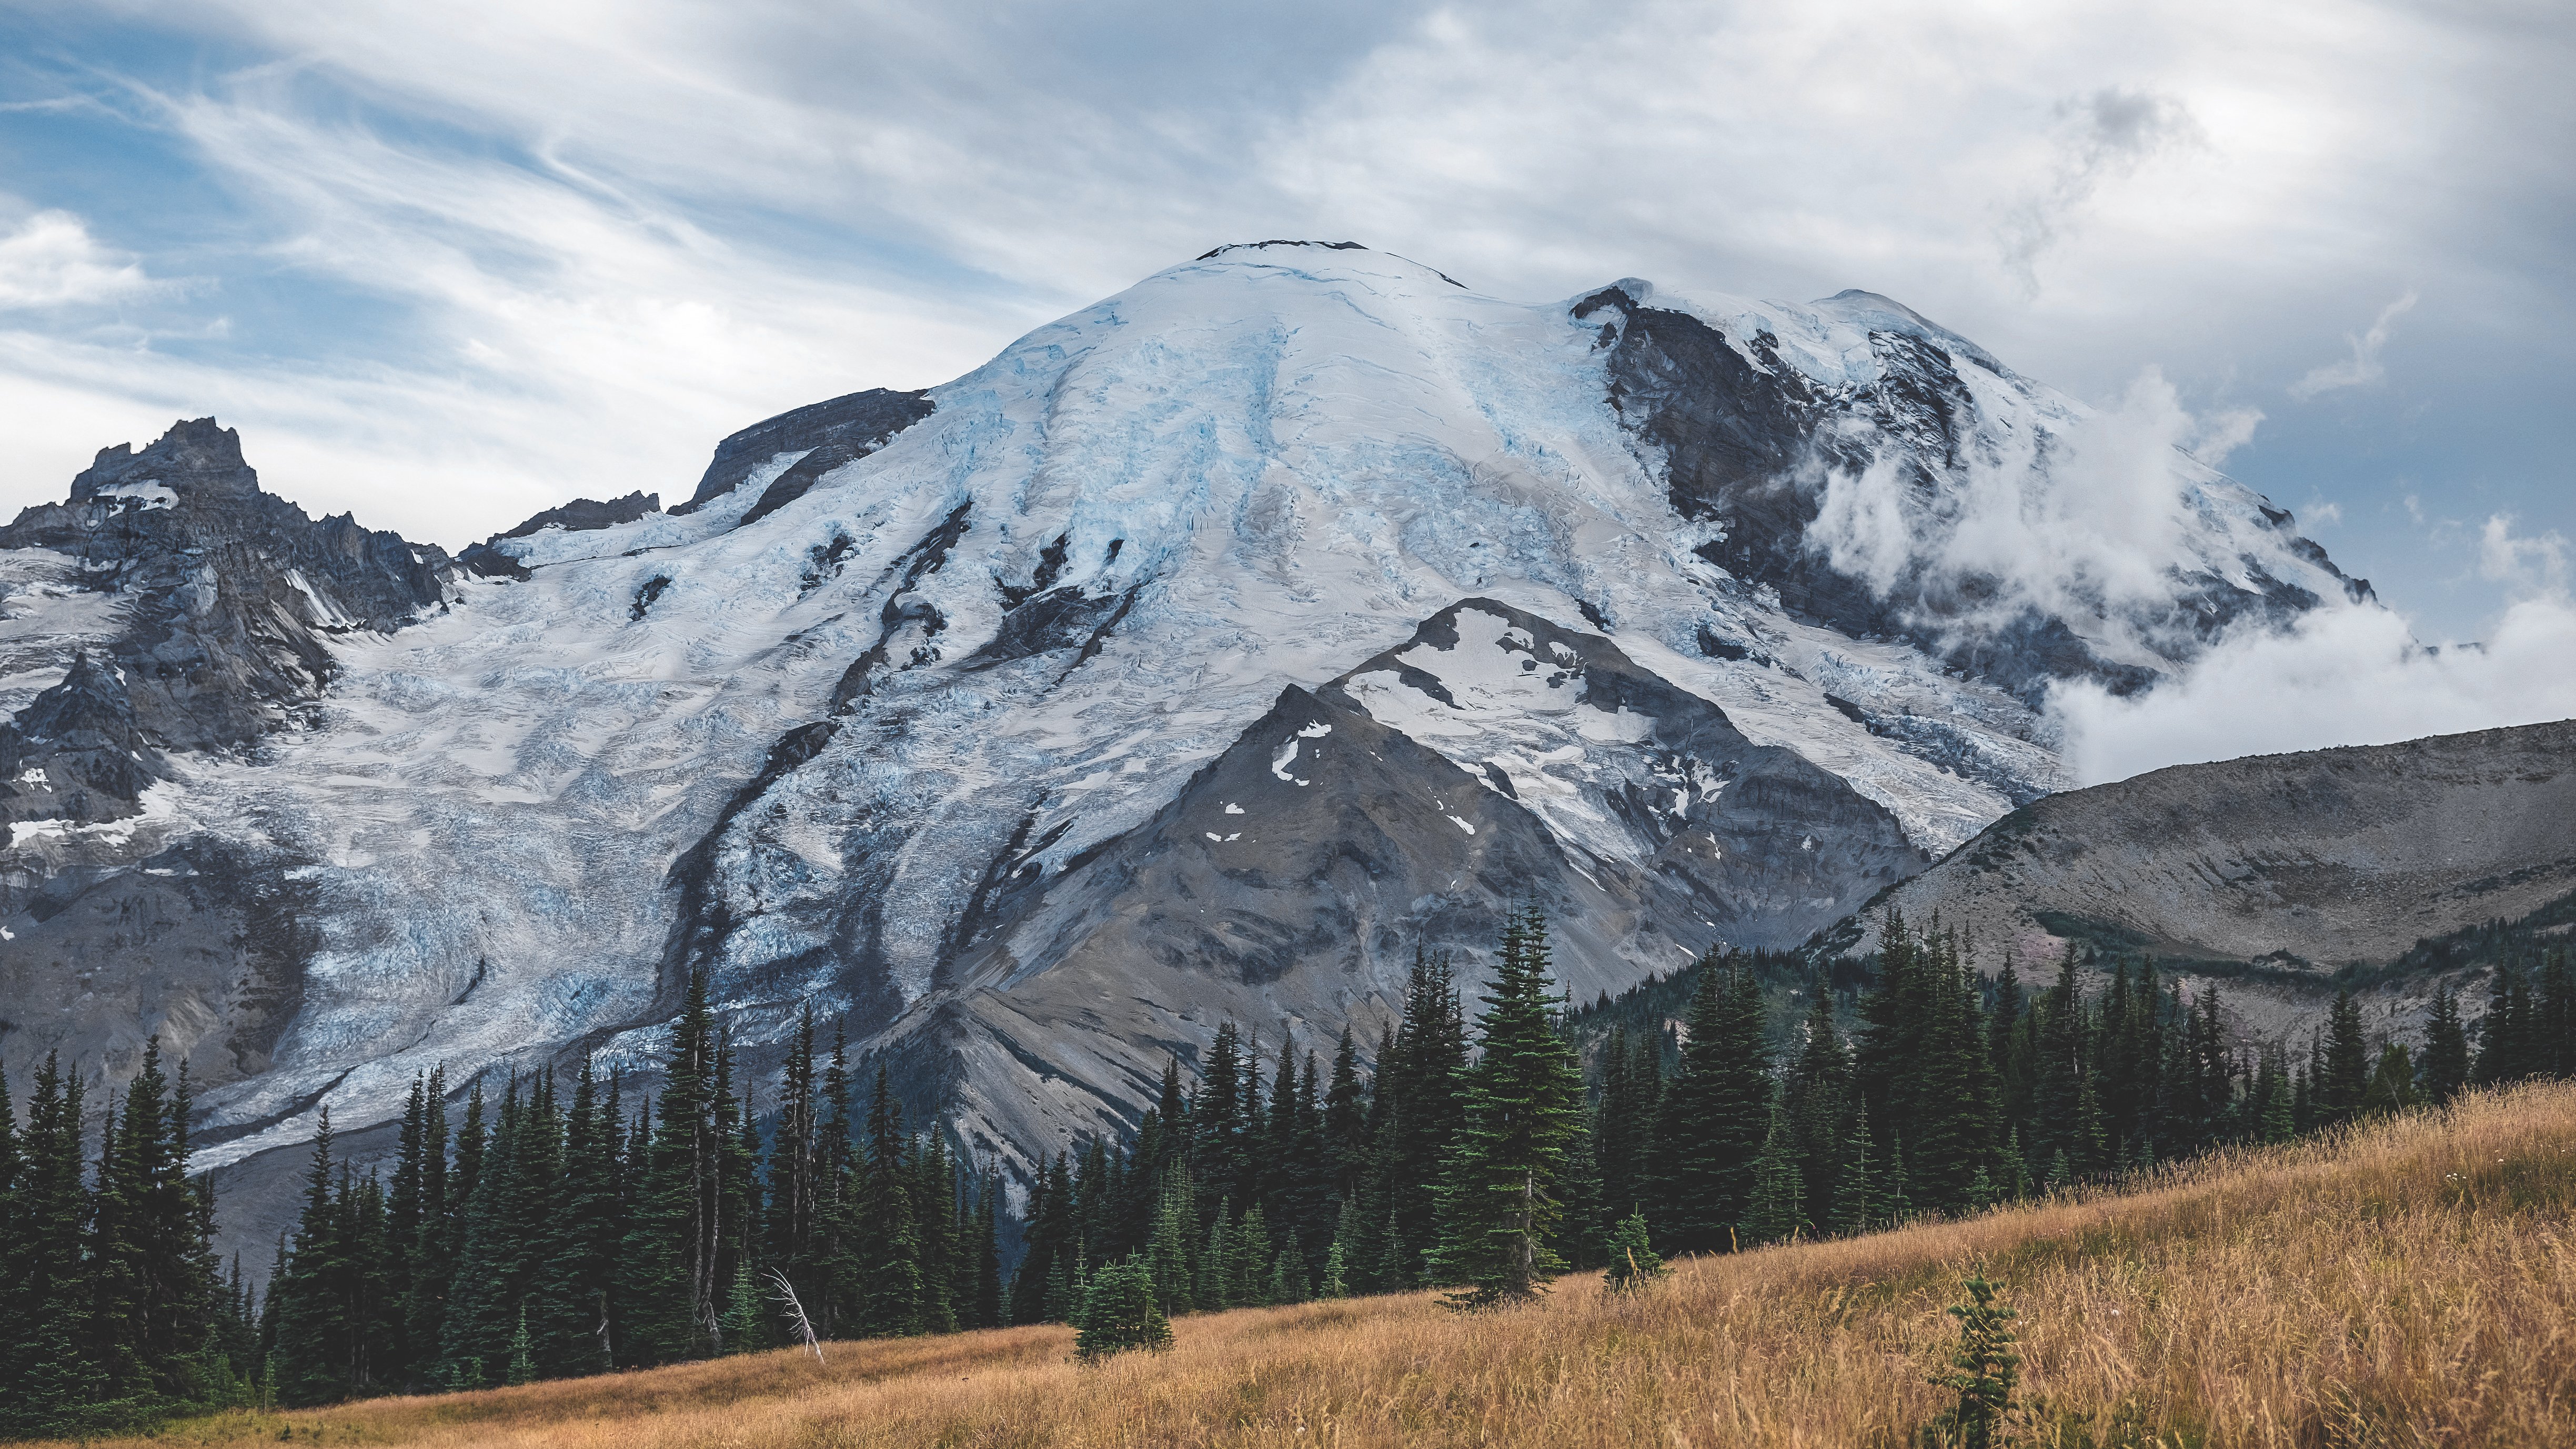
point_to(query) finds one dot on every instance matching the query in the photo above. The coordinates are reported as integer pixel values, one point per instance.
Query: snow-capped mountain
(1205, 653)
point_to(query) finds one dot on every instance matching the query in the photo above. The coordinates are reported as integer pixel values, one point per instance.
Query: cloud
(2363, 366)
(2102, 137)
(2346, 675)
(538, 333)
(2529, 565)
(50, 260)
(2085, 524)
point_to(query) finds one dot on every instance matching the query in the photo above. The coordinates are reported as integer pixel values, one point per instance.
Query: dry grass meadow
(2409, 1283)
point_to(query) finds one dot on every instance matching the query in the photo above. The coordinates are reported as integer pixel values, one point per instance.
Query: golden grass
(2408, 1283)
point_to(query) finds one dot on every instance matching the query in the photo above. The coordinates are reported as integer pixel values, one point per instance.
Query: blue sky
(448, 265)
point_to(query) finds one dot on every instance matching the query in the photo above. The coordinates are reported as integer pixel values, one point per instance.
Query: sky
(447, 265)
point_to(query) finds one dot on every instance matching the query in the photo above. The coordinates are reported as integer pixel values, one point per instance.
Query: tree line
(554, 1231)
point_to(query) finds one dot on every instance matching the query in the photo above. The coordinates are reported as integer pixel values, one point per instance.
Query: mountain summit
(1207, 653)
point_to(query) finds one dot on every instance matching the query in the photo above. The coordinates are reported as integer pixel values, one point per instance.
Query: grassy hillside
(2412, 1282)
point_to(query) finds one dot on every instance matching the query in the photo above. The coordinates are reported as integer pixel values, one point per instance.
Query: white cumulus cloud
(50, 260)
(2347, 675)
(2085, 524)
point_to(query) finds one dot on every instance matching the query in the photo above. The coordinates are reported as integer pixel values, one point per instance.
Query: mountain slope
(901, 715)
(2296, 864)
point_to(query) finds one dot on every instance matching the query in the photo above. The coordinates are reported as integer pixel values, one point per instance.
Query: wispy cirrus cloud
(2363, 366)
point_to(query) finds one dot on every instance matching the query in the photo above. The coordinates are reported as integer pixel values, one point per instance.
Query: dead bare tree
(804, 1329)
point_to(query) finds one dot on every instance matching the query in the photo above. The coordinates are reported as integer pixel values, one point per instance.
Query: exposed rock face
(1749, 435)
(182, 617)
(584, 513)
(75, 754)
(923, 710)
(824, 434)
(224, 594)
(2270, 873)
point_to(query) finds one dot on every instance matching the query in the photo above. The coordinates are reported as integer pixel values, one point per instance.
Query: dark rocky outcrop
(583, 514)
(226, 593)
(75, 754)
(828, 433)
(1746, 438)
(203, 944)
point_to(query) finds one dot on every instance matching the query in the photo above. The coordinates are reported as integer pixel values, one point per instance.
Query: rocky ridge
(2277, 877)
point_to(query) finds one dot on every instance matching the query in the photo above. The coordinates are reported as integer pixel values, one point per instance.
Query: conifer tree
(988, 1258)
(2392, 1084)
(1500, 1180)
(1336, 1281)
(1633, 1262)
(402, 1230)
(2278, 1120)
(1983, 1371)
(523, 1364)
(933, 1186)
(1170, 1255)
(490, 1283)
(889, 1240)
(1855, 1197)
(1419, 1103)
(1222, 1150)
(1345, 1124)
(665, 1287)
(576, 1278)
(1714, 1113)
(2506, 1036)
(2058, 1070)
(315, 1334)
(2343, 1074)
(1585, 1215)
(1819, 1106)
(1120, 1312)
(1288, 1278)
(1776, 1212)
(1953, 1130)
(1247, 1260)
(793, 1159)
(432, 1256)
(745, 1319)
(2010, 1045)
(48, 1364)
(2445, 1064)
(1894, 1200)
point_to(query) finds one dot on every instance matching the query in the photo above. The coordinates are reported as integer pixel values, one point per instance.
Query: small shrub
(1119, 1312)
(1633, 1263)
(1983, 1370)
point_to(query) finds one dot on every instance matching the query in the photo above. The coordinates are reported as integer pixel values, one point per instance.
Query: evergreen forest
(561, 1225)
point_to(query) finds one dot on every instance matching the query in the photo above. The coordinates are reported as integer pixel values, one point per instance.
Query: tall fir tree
(1714, 1113)
(2342, 1074)
(889, 1254)
(1523, 1101)
(2444, 1066)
